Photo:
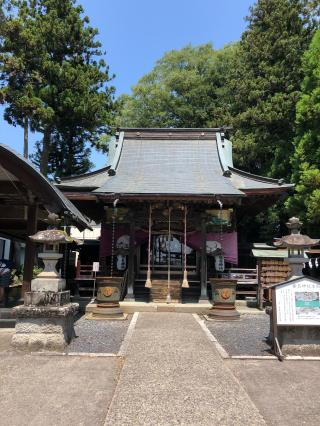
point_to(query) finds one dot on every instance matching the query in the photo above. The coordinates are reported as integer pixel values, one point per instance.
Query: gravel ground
(244, 337)
(99, 336)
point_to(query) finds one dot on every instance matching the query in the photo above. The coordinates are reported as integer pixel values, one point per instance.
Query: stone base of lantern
(48, 284)
(45, 322)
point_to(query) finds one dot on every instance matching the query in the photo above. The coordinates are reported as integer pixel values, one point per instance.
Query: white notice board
(298, 302)
(95, 266)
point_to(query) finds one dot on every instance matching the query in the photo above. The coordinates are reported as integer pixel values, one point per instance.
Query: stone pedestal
(49, 279)
(302, 340)
(45, 322)
(48, 284)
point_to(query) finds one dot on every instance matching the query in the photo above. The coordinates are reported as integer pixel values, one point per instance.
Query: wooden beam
(30, 251)
(80, 196)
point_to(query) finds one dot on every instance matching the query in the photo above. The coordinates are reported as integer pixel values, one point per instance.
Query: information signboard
(95, 267)
(298, 302)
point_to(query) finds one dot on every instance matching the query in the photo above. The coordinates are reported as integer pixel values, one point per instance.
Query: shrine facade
(168, 205)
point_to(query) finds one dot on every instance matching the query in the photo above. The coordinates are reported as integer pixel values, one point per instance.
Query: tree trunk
(25, 137)
(45, 151)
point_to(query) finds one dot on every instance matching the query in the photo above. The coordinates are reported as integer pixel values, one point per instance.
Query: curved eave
(252, 184)
(253, 176)
(84, 182)
(47, 194)
(267, 191)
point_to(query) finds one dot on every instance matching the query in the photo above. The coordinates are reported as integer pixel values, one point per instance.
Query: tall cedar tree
(186, 88)
(19, 69)
(72, 81)
(306, 159)
(266, 84)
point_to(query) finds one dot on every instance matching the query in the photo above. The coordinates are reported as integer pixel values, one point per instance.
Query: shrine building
(168, 204)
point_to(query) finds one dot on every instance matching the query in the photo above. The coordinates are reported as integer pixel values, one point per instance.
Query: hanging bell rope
(148, 283)
(185, 283)
(168, 299)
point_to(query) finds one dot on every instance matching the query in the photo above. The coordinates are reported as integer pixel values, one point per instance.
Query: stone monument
(45, 320)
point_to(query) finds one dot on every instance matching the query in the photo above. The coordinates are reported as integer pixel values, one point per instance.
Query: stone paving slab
(5, 339)
(174, 376)
(56, 390)
(286, 393)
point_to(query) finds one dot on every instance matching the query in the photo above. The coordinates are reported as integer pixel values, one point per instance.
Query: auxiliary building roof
(14, 169)
(193, 162)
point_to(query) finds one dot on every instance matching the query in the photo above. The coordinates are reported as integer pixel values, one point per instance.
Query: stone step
(6, 313)
(7, 323)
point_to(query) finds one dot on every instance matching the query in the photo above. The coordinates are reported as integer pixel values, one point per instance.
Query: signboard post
(295, 306)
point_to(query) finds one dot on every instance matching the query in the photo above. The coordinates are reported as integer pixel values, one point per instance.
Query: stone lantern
(46, 319)
(49, 279)
(296, 243)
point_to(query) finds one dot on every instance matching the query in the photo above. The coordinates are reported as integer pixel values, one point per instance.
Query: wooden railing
(247, 280)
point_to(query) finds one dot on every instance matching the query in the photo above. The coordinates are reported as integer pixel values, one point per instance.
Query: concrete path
(56, 390)
(286, 393)
(173, 376)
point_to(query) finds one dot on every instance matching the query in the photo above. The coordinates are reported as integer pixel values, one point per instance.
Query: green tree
(306, 159)
(69, 155)
(72, 82)
(266, 83)
(19, 74)
(186, 88)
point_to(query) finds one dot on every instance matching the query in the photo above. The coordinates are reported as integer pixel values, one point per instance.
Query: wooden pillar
(130, 292)
(102, 258)
(203, 263)
(30, 251)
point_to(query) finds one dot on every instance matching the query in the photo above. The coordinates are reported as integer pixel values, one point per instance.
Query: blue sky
(135, 33)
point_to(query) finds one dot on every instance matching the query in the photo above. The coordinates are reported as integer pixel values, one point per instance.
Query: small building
(168, 205)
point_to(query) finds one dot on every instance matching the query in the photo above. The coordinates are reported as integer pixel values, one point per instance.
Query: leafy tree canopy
(266, 83)
(186, 88)
(306, 159)
(50, 45)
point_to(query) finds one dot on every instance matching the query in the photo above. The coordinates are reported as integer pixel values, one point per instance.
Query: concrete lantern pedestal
(44, 322)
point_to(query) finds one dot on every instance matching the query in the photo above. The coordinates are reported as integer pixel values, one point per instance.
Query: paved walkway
(56, 390)
(174, 376)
